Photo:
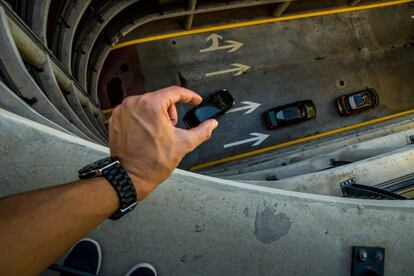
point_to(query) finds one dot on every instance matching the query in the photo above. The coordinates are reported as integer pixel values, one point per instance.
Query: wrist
(142, 187)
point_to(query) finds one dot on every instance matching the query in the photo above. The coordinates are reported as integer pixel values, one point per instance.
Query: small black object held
(367, 261)
(212, 107)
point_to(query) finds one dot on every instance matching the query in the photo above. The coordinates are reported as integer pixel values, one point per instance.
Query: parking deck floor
(317, 58)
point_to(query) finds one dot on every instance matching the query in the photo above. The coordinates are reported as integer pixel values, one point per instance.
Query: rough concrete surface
(198, 225)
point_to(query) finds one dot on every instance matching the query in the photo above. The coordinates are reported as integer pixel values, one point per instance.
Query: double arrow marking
(258, 139)
(215, 44)
(233, 46)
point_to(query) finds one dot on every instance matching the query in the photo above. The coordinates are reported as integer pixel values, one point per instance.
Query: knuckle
(146, 100)
(129, 102)
(175, 87)
(115, 112)
(152, 102)
(208, 134)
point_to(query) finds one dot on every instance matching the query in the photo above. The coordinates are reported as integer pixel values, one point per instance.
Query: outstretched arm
(37, 227)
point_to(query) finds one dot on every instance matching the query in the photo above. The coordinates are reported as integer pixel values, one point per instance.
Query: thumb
(202, 133)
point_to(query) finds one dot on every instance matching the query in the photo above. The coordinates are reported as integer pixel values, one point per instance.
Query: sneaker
(142, 270)
(85, 256)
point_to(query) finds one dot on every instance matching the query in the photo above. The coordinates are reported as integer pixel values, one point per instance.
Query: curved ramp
(55, 95)
(14, 64)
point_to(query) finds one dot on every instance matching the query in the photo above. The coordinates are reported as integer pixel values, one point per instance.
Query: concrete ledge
(12, 103)
(351, 153)
(368, 172)
(199, 225)
(307, 150)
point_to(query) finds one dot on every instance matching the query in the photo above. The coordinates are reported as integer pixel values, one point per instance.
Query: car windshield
(288, 114)
(359, 100)
(206, 112)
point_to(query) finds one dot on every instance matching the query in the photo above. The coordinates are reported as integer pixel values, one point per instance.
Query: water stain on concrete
(270, 226)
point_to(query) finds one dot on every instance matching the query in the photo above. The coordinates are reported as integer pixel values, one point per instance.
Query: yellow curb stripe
(258, 22)
(106, 111)
(298, 141)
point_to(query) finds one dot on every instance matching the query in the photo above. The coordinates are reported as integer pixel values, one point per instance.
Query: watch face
(92, 169)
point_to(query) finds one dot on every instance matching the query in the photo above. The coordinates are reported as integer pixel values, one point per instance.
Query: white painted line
(249, 106)
(237, 70)
(215, 44)
(258, 139)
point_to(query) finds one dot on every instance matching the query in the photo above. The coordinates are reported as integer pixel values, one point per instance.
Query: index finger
(175, 94)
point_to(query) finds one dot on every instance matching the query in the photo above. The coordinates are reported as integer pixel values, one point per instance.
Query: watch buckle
(99, 171)
(128, 208)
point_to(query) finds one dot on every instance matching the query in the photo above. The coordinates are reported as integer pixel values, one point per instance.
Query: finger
(175, 94)
(172, 113)
(200, 134)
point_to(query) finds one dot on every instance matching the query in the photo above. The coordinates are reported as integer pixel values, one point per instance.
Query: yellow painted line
(298, 141)
(258, 22)
(106, 111)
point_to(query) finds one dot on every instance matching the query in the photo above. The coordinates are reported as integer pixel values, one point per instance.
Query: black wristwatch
(111, 169)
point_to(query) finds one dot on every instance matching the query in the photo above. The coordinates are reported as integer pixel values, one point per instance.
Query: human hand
(143, 136)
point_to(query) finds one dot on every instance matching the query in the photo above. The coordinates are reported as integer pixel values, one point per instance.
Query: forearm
(37, 227)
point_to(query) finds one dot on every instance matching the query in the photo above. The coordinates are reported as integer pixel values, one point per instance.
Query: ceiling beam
(354, 2)
(189, 19)
(281, 8)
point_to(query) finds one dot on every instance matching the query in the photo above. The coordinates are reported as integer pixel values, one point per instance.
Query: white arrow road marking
(258, 137)
(237, 70)
(249, 106)
(215, 44)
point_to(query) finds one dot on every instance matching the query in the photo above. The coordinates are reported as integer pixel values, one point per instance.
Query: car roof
(359, 100)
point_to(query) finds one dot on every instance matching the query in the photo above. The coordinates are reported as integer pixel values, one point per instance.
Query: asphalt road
(316, 58)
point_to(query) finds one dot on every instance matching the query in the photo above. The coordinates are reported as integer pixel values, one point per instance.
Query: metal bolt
(363, 255)
(379, 257)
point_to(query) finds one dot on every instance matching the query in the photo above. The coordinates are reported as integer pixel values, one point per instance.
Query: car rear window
(359, 100)
(288, 114)
(272, 118)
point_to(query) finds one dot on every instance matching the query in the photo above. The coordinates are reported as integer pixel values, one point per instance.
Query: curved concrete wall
(40, 15)
(89, 35)
(14, 64)
(72, 18)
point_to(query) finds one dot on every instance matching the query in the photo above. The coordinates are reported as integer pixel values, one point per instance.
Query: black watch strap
(124, 187)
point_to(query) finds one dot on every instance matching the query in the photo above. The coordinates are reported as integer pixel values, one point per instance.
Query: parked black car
(289, 114)
(213, 106)
(357, 101)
